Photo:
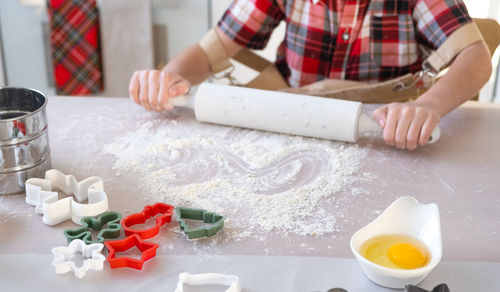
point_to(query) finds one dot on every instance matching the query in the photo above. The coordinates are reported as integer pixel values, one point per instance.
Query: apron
(403, 88)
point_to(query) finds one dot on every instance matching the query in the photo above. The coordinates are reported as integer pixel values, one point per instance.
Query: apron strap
(461, 38)
(252, 60)
(215, 52)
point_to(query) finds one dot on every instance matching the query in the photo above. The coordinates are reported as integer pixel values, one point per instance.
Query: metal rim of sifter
(39, 109)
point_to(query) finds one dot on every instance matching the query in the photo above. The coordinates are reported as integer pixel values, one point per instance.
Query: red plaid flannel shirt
(345, 39)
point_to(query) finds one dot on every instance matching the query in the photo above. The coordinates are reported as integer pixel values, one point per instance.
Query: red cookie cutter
(148, 250)
(148, 212)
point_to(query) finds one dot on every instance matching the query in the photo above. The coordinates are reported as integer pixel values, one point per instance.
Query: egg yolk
(406, 256)
(396, 251)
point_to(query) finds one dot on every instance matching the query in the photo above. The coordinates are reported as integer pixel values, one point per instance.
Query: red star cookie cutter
(149, 211)
(147, 249)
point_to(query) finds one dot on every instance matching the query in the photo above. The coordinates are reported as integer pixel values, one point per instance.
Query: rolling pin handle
(183, 100)
(436, 133)
(367, 124)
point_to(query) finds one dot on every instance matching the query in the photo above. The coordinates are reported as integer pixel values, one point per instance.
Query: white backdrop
(487, 9)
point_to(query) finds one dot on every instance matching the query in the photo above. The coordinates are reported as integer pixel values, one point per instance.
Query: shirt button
(345, 36)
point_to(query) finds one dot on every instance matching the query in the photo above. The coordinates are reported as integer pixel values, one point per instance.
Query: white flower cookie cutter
(64, 258)
(41, 194)
(231, 281)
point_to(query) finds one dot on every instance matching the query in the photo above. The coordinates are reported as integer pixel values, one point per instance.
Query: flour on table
(261, 181)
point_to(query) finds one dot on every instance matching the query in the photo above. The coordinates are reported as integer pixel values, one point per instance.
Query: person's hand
(407, 125)
(153, 89)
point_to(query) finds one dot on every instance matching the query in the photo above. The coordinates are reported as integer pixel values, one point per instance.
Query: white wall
(23, 46)
(186, 22)
(487, 9)
(483, 8)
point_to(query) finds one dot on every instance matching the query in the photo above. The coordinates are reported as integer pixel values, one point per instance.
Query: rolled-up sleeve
(436, 20)
(251, 22)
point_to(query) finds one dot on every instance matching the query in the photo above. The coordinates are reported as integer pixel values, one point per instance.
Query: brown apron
(402, 88)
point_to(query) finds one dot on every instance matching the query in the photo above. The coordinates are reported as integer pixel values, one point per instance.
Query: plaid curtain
(74, 37)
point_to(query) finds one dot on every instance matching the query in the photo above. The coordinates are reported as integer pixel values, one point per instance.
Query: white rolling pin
(281, 112)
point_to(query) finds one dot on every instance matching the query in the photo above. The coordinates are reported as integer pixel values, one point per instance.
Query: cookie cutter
(149, 211)
(209, 279)
(111, 219)
(147, 249)
(200, 215)
(64, 258)
(41, 194)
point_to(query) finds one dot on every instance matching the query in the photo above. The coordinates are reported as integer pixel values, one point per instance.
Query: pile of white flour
(261, 181)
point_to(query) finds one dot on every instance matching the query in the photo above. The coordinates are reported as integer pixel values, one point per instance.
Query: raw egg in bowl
(402, 245)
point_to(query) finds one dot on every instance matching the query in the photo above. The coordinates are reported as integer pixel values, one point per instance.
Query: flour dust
(261, 181)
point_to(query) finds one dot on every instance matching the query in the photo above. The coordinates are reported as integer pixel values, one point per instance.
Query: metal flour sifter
(24, 140)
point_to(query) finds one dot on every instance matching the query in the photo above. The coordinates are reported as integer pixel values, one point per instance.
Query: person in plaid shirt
(341, 39)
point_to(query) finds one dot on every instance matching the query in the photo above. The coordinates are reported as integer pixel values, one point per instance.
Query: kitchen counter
(461, 173)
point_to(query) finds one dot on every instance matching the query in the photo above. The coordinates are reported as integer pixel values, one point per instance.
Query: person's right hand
(153, 89)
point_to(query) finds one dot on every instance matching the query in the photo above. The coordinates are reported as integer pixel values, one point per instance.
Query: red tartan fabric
(368, 40)
(74, 37)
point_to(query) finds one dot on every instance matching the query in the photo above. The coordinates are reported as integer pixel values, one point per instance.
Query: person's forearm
(469, 71)
(407, 125)
(191, 64)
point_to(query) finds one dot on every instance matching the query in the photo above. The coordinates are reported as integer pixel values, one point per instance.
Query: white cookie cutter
(64, 258)
(41, 194)
(209, 279)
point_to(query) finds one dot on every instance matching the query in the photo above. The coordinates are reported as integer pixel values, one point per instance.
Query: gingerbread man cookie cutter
(42, 193)
(231, 281)
(64, 258)
(109, 219)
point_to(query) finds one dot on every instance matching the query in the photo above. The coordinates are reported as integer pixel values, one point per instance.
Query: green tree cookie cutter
(111, 219)
(200, 215)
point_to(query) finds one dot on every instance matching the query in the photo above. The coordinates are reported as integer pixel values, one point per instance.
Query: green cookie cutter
(112, 219)
(200, 215)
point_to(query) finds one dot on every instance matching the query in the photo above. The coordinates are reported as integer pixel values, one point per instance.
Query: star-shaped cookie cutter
(231, 281)
(149, 211)
(64, 258)
(147, 249)
(111, 219)
(41, 194)
(215, 219)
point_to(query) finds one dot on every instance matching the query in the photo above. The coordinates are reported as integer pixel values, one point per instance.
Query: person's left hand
(407, 125)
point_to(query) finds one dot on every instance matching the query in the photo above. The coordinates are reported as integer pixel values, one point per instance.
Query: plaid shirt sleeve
(251, 22)
(436, 20)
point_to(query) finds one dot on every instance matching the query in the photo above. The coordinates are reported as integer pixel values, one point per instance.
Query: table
(460, 173)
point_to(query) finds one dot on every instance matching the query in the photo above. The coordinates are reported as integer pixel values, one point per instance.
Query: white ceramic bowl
(408, 217)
